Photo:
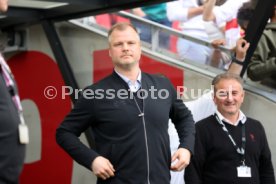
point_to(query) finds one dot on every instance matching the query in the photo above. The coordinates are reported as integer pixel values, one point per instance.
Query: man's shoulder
(208, 121)
(255, 125)
(269, 32)
(253, 121)
(270, 26)
(206, 126)
(157, 77)
(104, 82)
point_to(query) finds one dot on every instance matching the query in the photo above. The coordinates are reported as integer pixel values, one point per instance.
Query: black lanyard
(240, 151)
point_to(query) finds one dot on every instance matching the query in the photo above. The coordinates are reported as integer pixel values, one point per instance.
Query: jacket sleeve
(261, 65)
(227, 11)
(193, 173)
(183, 120)
(75, 123)
(176, 12)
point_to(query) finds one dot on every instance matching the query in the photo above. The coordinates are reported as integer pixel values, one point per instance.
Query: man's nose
(125, 46)
(229, 96)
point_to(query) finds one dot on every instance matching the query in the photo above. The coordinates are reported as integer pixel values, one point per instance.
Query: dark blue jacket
(137, 146)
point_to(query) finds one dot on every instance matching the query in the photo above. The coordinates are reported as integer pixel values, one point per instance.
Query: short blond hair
(121, 26)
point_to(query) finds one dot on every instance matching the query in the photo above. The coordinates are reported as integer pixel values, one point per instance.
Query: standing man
(13, 131)
(230, 147)
(204, 106)
(129, 122)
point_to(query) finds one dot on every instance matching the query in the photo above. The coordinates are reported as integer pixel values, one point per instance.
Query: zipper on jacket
(146, 136)
(147, 148)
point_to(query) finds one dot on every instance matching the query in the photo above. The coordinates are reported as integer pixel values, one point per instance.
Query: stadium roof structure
(22, 12)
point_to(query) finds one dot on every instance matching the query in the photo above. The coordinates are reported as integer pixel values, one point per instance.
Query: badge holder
(244, 171)
(23, 131)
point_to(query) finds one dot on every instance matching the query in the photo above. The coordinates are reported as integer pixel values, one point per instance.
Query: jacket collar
(271, 25)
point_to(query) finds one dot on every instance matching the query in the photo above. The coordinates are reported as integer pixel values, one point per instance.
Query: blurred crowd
(220, 22)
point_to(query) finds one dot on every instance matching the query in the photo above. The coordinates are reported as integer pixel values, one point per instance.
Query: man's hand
(139, 12)
(182, 157)
(102, 168)
(241, 49)
(218, 42)
(208, 14)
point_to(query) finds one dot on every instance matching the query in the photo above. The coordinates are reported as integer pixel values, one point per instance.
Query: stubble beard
(127, 66)
(232, 112)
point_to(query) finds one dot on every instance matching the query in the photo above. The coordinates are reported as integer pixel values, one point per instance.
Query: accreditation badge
(23, 133)
(244, 171)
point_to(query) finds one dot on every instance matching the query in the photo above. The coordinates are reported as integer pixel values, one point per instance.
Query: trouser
(145, 32)
(193, 51)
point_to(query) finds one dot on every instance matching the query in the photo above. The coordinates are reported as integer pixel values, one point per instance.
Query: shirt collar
(242, 118)
(127, 80)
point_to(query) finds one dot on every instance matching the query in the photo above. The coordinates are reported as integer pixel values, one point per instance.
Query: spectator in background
(204, 106)
(158, 14)
(224, 18)
(12, 125)
(245, 13)
(222, 27)
(263, 62)
(230, 147)
(214, 31)
(189, 14)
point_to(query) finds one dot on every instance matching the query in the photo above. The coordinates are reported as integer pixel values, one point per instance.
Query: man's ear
(213, 92)
(243, 93)
(214, 97)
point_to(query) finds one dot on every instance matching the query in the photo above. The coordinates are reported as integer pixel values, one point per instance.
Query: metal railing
(156, 28)
(153, 50)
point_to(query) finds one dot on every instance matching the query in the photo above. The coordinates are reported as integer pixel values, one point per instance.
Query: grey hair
(227, 76)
